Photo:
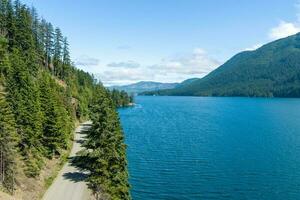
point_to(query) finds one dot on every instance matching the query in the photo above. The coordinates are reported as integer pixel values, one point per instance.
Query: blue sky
(124, 41)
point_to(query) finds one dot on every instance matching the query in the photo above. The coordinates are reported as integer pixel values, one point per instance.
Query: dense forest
(270, 71)
(104, 155)
(42, 95)
(121, 98)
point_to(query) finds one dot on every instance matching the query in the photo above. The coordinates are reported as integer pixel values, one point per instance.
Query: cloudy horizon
(159, 42)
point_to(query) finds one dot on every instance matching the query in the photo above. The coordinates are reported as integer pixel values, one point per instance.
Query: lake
(213, 148)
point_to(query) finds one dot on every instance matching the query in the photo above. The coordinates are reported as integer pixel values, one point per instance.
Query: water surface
(213, 148)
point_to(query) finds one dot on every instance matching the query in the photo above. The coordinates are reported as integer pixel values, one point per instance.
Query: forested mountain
(270, 71)
(144, 86)
(42, 95)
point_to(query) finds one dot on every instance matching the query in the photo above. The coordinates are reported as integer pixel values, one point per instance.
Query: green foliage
(23, 95)
(56, 121)
(8, 141)
(270, 71)
(8, 135)
(105, 154)
(41, 96)
(42, 109)
(121, 98)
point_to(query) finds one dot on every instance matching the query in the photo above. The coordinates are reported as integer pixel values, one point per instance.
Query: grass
(49, 180)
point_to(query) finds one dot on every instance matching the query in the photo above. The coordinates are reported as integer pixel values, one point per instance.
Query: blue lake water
(213, 148)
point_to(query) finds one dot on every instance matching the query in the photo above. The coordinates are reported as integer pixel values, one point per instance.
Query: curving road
(69, 184)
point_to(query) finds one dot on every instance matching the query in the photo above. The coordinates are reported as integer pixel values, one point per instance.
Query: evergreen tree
(56, 121)
(66, 59)
(40, 92)
(121, 98)
(4, 57)
(42, 32)
(105, 156)
(24, 97)
(3, 17)
(8, 144)
(8, 136)
(11, 28)
(24, 37)
(49, 45)
(57, 57)
(35, 25)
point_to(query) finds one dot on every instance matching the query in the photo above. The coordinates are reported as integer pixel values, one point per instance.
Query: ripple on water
(210, 148)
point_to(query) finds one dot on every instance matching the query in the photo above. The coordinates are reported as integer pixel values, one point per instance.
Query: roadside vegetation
(42, 96)
(104, 155)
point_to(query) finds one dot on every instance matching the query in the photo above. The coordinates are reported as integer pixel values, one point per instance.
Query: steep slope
(272, 70)
(42, 97)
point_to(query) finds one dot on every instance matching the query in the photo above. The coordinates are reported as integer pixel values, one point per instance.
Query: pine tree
(35, 27)
(120, 98)
(57, 57)
(106, 154)
(42, 32)
(49, 37)
(8, 136)
(23, 95)
(37, 110)
(56, 121)
(66, 59)
(10, 25)
(8, 144)
(3, 17)
(4, 57)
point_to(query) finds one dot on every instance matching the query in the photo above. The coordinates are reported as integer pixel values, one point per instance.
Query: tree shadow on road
(80, 141)
(75, 176)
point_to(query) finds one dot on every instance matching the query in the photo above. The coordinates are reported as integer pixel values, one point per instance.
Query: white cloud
(127, 64)
(284, 29)
(197, 64)
(86, 61)
(121, 76)
(173, 69)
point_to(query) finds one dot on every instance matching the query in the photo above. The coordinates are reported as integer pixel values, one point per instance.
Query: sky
(126, 41)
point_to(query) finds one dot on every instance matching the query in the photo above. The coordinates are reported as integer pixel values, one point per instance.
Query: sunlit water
(213, 148)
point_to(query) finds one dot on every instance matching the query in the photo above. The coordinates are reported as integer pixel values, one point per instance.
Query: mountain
(270, 71)
(188, 81)
(144, 86)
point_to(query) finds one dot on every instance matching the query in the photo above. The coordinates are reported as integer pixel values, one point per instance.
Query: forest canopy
(42, 95)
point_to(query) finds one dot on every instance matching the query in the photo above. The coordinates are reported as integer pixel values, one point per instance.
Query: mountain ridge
(272, 70)
(144, 86)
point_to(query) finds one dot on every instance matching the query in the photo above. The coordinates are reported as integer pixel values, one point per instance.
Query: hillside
(144, 86)
(270, 71)
(42, 98)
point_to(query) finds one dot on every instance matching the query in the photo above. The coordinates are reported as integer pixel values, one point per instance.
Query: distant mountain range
(270, 71)
(144, 86)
